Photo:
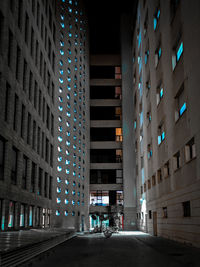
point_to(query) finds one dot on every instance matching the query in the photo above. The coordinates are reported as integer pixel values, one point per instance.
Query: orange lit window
(118, 113)
(118, 133)
(118, 92)
(118, 74)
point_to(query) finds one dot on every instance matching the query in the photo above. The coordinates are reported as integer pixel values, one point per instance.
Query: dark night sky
(104, 23)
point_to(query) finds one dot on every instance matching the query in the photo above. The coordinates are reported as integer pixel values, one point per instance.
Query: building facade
(166, 120)
(43, 75)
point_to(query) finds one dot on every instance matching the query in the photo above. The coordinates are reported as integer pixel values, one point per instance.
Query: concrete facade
(165, 76)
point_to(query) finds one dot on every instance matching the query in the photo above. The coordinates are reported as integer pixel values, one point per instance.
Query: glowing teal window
(60, 99)
(76, 3)
(57, 213)
(61, 63)
(73, 192)
(139, 39)
(158, 13)
(60, 139)
(69, 60)
(73, 202)
(68, 96)
(74, 173)
(58, 189)
(58, 200)
(66, 191)
(68, 71)
(75, 85)
(161, 92)
(76, 12)
(154, 23)
(74, 137)
(61, 52)
(58, 180)
(74, 183)
(68, 79)
(66, 201)
(70, 26)
(68, 133)
(69, 51)
(75, 119)
(62, 17)
(182, 109)
(68, 143)
(60, 118)
(59, 168)
(74, 129)
(60, 108)
(68, 124)
(74, 164)
(163, 136)
(78, 202)
(67, 162)
(159, 52)
(76, 20)
(75, 68)
(66, 213)
(67, 171)
(60, 90)
(68, 105)
(68, 114)
(73, 213)
(78, 193)
(62, 25)
(70, 2)
(76, 60)
(66, 182)
(70, 34)
(59, 159)
(60, 80)
(70, 9)
(179, 51)
(59, 149)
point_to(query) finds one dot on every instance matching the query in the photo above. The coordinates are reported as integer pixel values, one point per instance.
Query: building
(166, 120)
(43, 72)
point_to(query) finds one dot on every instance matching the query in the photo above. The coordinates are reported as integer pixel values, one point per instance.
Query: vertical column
(129, 175)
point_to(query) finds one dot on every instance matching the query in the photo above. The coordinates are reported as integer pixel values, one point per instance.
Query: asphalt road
(123, 249)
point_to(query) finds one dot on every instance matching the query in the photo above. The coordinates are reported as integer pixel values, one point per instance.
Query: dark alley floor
(124, 249)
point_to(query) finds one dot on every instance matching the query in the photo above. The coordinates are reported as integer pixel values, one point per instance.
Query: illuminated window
(158, 54)
(57, 213)
(66, 191)
(176, 54)
(58, 180)
(59, 169)
(58, 190)
(160, 93)
(180, 103)
(161, 133)
(156, 19)
(118, 134)
(66, 201)
(66, 213)
(58, 200)
(66, 182)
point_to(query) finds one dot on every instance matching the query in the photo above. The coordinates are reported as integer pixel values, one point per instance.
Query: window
(11, 214)
(24, 172)
(190, 150)
(29, 129)
(7, 102)
(35, 95)
(158, 54)
(174, 6)
(2, 156)
(146, 24)
(149, 183)
(99, 198)
(51, 156)
(119, 176)
(177, 160)
(159, 175)
(50, 187)
(118, 74)
(30, 85)
(26, 29)
(148, 117)
(161, 133)
(22, 215)
(32, 41)
(156, 19)
(165, 215)
(18, 60)
(47, 151)
(153, 180)
(149, 151)
(34, 136)
(177, 53)
(10, 49)
(20, 13)
(180, 102)
(24, 75)
(14, 157)
(118, 134)
(33, 177)
(38, 14)
(150, 214)
(45, 184)
(166, 170)
(186, 209)
(40, 181)
(15, 117)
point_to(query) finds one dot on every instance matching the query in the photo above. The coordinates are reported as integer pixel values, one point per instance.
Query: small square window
(190, 150)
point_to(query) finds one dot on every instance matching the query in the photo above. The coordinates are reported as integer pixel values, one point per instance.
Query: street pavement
(125, 249)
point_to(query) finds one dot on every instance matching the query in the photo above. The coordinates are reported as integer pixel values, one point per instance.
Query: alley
(124, 249)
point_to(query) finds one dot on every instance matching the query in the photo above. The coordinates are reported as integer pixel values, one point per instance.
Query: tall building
(106, 173)
(44, 111)
(166, 100)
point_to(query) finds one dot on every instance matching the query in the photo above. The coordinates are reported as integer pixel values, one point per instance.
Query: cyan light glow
(182, 109)
(58, 180)
(66, 213)
(58, 200)
(58, 189)
(154, 23)
(57, 213)
(179, 51)
(59, 168)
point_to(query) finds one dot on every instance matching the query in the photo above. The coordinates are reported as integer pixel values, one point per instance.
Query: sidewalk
(19, 246)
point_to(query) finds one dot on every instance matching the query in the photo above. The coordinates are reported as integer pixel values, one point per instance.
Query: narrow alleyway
(133, 249)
